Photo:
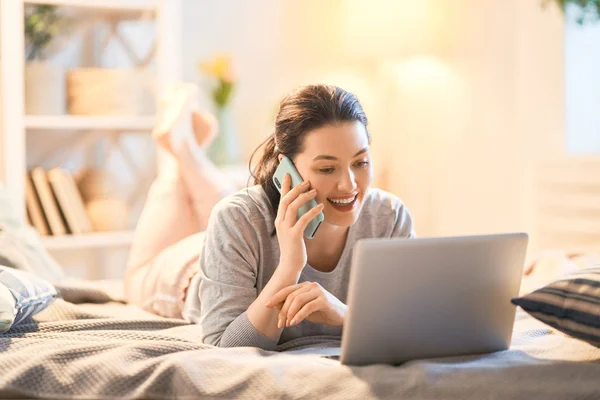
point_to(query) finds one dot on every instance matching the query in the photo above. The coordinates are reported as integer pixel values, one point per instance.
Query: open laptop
(431, 297)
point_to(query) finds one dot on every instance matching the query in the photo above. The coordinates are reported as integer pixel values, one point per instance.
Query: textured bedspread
(111, 350)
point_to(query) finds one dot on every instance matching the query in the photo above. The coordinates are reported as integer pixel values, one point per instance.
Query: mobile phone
(286, 166)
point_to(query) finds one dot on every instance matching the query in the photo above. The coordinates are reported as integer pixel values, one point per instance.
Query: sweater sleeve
(403, 225)
(228, 276)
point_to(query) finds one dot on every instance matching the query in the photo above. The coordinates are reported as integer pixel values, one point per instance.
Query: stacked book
(54, 203)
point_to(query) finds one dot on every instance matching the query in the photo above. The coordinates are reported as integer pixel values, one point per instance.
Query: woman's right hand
(290, 229)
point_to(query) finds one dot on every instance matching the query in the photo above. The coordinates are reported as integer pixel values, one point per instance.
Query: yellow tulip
(207, 68)
(220, 67)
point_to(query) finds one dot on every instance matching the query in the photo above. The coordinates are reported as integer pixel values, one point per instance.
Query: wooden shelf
(82, 122)
(89, 240)
(109, 8)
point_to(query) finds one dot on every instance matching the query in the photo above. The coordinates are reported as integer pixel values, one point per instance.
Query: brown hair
(302, 111)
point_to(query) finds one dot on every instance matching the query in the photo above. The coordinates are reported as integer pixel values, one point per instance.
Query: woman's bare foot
(184, 131)
(182, 121)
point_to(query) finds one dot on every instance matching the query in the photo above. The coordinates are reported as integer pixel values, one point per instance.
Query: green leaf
(222, 93)
(589, 9)
(42, 24)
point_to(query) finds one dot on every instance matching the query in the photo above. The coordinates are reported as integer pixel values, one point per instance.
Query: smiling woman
(260, 281)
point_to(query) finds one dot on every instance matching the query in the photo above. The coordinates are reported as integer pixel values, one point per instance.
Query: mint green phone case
(287, 167)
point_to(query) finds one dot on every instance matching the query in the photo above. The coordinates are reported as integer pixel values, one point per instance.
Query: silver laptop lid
(431, 297)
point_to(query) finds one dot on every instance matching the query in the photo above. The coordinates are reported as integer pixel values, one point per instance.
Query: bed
(86, 345)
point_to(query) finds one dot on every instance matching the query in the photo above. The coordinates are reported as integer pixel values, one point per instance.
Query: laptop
(431, 297)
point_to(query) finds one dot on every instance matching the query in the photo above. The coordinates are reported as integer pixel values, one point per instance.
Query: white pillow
(7, 309)
(21, 246)
(22, 295)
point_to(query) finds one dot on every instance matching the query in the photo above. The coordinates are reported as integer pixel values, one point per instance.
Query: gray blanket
(105, 349)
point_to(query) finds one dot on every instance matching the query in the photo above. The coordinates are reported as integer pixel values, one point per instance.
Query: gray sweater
(240, 254)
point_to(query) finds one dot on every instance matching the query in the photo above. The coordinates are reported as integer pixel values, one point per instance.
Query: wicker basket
(102, 91)
(99, 190)
(94, 183)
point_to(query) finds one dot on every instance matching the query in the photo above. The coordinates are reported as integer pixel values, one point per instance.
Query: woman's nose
(347, 183)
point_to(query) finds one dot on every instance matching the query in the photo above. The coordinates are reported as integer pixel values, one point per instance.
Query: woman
(258, 281)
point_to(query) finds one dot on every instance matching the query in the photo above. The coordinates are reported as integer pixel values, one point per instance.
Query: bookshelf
(15, 125)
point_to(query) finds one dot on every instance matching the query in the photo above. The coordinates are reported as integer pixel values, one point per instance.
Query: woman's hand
(307, 300)
(290, 229)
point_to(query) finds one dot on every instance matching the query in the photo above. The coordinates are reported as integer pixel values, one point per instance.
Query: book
(34, 208)
(69, 200)
(48, 201)
(29, 221)
(78, 203)
(63, 200)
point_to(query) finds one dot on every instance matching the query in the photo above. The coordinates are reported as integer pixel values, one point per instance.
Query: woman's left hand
(307, 300)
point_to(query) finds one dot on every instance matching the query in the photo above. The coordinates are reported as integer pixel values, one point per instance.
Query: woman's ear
(280, 157)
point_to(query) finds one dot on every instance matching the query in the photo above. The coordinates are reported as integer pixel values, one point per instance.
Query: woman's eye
(326, 170)
(362, 164)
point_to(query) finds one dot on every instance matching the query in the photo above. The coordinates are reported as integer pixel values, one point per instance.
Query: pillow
(7, 309)
(571, 305)
(22, 295)
(21, 246)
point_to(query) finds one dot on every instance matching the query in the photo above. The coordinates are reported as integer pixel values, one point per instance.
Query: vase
(45, 89)
(225, 148)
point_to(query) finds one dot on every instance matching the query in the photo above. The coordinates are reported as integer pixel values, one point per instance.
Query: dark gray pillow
(571, 305)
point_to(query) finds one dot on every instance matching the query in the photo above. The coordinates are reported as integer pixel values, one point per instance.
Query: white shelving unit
(123, 9)
(89, 240)
(15, 125)
(76, 122)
